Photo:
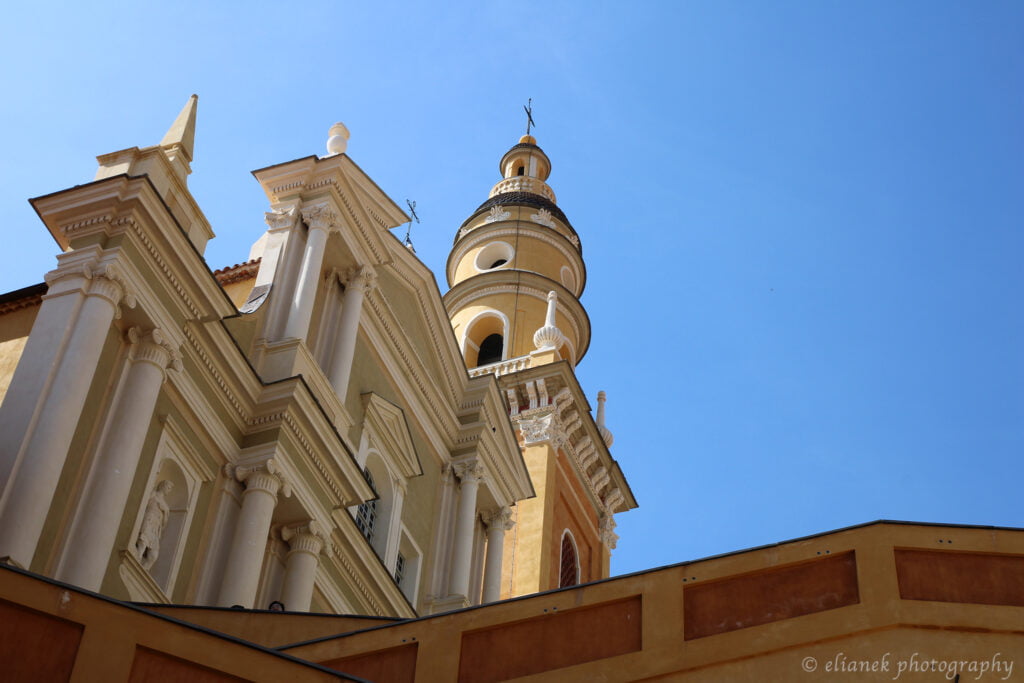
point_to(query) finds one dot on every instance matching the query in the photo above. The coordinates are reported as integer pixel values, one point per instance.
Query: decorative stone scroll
(543, 217)
(307, 537)
(496, 214)
(265, 476)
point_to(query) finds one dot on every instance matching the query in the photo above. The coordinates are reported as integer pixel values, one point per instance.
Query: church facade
(316, 426)
(313, 465)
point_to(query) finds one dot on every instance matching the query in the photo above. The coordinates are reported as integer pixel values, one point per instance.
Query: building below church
(314, 465)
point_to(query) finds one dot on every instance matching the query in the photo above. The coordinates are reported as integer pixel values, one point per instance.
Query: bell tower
(516, 274)
(516, 271)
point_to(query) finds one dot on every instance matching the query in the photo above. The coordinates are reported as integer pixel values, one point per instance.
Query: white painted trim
(489, 313)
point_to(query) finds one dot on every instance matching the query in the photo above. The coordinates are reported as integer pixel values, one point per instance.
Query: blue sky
(802, 221)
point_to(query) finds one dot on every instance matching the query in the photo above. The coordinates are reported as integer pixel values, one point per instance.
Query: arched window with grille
(569, 574)
(366, 515)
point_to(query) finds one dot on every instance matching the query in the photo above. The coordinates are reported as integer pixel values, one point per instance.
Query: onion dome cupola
(516, 271)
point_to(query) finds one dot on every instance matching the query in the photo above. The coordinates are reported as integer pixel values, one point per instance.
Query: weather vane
(412, 212)
(529, 115)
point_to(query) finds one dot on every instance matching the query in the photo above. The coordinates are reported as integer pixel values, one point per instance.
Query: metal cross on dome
(529, 115)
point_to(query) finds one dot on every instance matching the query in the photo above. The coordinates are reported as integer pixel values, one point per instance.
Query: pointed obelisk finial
(183, 131)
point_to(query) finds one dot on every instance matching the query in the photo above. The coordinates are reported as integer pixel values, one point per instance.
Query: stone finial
(549, 336)
(605, 433)
(337, 142)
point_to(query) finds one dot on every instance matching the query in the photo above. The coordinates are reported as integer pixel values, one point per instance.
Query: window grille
(399, 568)
(366, 515)
(570, 572)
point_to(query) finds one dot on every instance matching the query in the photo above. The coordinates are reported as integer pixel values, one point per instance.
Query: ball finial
(337, 141)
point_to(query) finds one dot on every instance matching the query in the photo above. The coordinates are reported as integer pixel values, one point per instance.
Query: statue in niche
(154, 521)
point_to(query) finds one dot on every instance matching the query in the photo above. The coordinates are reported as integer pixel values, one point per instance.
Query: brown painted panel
(551, 641)
(150, 665)
(946, 576)
(769, 595)
(36, 646)
(393, 665)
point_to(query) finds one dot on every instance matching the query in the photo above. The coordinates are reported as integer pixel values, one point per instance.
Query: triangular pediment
(385, 425)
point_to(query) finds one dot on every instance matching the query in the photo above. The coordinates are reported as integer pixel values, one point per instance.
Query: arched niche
(486, 339)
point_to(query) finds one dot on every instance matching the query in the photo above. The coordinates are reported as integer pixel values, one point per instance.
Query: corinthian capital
(363, 277)
(319, 217)
(499, 519)
(280, 219)
(468, 470)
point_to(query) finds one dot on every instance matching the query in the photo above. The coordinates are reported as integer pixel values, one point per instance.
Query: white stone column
(245, 558)
(497, 524)
(94, 529)
(305, 543)
(320, 219)
(358, 282)
(39, 421)
(469, 473)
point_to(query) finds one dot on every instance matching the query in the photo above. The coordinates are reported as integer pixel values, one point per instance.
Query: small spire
(183, 131)
(605, 433)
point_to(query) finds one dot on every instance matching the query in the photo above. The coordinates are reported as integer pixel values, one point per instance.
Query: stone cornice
(130, 206)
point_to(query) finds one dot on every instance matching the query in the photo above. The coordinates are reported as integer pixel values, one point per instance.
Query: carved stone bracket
(613, 499)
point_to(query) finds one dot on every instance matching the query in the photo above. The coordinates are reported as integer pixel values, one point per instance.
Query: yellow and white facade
(301, 427)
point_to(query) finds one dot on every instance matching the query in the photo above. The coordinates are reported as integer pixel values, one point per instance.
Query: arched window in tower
(569, 573)
(521, 170)
(366, 515)
(490, 350)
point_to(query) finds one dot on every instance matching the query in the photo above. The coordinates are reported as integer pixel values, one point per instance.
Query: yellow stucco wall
(14, 329)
